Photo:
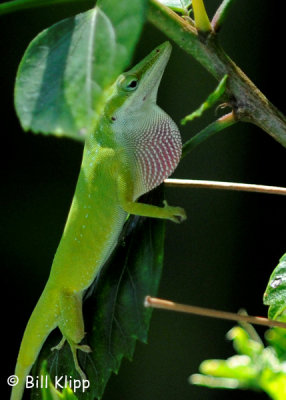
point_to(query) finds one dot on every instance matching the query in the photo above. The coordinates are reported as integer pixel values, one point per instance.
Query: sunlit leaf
(63, 76)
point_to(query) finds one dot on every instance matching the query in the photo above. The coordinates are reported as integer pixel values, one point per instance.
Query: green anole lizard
(134, 148)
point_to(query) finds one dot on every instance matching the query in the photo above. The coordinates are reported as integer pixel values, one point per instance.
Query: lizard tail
(21, 372)
(41, 323)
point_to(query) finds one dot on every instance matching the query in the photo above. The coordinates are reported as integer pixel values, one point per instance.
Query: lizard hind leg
(72, 326)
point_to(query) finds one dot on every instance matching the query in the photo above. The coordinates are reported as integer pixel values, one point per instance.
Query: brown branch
(244, 187)
(207, 312)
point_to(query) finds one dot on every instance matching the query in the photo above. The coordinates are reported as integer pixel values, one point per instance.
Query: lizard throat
(156, 146)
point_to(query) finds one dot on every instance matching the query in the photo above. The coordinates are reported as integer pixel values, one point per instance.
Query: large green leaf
(114, 314)
(275, 294)
(62, 78)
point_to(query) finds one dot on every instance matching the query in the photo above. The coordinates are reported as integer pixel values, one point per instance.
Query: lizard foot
(83, 347)
(60, 345)
(176, 214)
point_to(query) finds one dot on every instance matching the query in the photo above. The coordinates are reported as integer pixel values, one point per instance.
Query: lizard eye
(128, 83)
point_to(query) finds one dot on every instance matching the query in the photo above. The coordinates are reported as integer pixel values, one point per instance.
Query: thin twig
(244, 187)
(207, 312)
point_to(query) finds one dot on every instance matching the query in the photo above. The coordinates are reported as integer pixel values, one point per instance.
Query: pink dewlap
(158, 151)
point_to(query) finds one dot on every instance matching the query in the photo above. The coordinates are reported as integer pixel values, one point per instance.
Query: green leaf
(180, 6)
(257, 368)
(209, 102)
(275, 294)
(63, 77)
(237, 368)
(276, 337)
(49, 392)
(114, 314)
(17, 5)
(243, 344)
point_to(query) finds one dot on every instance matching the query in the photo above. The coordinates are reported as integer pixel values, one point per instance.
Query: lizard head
(148, 137)
(137, 89)
(141, 83)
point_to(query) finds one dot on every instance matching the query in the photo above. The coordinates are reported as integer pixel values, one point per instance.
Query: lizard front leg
(175, 214)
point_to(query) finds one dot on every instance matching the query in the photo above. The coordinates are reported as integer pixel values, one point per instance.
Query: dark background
(221, 257)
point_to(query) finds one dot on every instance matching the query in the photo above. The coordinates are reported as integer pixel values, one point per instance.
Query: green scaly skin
(135, 147)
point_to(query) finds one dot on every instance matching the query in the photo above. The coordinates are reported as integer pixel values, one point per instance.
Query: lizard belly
(94, 225)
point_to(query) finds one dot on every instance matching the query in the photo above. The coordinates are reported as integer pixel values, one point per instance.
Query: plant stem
(208, 312)
(216, 126)
(243, 187)
(212, 98)
(248, 103)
